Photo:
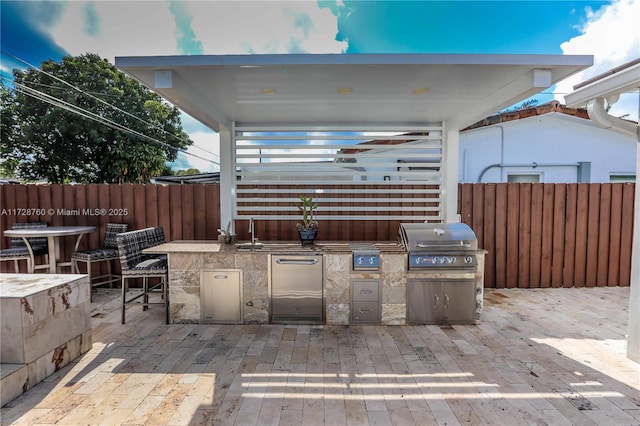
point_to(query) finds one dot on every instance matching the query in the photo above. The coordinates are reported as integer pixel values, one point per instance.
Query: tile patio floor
(540, 357)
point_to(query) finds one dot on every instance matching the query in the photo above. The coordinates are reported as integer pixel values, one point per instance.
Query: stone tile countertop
(206, 246)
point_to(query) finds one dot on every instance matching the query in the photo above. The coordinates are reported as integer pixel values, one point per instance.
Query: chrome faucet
(252, 231)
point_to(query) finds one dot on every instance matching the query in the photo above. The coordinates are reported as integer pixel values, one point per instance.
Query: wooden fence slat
(524, 235)
(128, 207)
(571, 209)
(477, 223)
(626, 235)
(593, 234)
(582, 228)
(57, 203)
(602, 257)
(187, 212)
(547, 234)
(537, 196)
(613, 277)
(513, 207)
(152, 206)
(501, 235)
(212, 201)
(489, 243)
(559, 221)
(163, 210)
(466, 204)
(9, 213)
(199, 209)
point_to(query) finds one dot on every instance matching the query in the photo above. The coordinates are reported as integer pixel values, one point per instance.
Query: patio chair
(135, 264)
(21, 251)
(107, 253)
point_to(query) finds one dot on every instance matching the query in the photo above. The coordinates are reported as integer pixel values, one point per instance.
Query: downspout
(599, 115)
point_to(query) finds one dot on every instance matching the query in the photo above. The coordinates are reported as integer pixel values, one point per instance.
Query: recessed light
(269, 91)
(345, 90)
(420, 90)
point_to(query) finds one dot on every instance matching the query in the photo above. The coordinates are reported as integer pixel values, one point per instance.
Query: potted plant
(308, 226)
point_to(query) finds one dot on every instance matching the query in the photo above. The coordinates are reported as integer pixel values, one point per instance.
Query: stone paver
(546, 357)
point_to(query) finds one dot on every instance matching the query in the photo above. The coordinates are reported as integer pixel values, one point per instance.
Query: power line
(104, 102)
(44, 97)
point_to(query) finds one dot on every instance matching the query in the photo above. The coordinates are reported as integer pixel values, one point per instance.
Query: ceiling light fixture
(345, 90)
(420, 90)
(269, 91)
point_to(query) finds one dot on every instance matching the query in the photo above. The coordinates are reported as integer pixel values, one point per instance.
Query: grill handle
(446, 301)
(464, 244)
(436, 300)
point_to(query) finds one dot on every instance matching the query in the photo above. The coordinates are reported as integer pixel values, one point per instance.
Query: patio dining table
(53, 234)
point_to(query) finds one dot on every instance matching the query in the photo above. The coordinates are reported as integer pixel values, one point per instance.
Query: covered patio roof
(346, 90)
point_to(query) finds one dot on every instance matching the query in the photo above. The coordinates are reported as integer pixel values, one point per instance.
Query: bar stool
(107, 253)
(135, 264)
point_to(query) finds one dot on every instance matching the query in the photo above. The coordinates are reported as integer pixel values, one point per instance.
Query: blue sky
(39, 30)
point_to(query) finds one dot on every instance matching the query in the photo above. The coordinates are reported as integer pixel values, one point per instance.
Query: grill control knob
(452, 259)
(468, 259)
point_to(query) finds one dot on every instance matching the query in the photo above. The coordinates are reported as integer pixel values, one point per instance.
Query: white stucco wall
(555, 141)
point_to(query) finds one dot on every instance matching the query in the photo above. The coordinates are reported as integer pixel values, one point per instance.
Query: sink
(249, 246)
(279, 247)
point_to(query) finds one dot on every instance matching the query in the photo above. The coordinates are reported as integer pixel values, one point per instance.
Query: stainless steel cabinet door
(424, 304)
(440, 301)
(458, 302)
(221, 296)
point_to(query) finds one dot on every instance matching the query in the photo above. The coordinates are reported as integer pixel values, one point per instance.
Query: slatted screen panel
(352, 175)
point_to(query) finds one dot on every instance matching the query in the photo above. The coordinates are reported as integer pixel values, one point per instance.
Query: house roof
(348, 90)
(553, 106)
(622, 79)
(213, 177)
(549, 107)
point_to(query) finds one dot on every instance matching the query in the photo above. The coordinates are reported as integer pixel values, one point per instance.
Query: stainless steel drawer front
(296, 289)
(365, 312)
(365, 290)
(365, 301)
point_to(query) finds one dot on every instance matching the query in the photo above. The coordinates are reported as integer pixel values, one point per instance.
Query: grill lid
(436, 237)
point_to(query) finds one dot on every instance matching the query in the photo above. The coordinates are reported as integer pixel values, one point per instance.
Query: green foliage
(308, 210)
(188, 172)
(40, 140)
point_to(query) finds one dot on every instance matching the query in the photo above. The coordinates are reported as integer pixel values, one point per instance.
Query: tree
(49, 141)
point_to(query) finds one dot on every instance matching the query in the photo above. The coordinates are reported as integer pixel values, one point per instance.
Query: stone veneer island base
(188, 259)
(46, 324)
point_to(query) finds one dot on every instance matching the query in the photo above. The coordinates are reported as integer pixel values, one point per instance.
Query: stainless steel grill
(443, 261)
(439, 245)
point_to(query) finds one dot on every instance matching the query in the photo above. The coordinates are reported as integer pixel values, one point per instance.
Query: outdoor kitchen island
(244, 279)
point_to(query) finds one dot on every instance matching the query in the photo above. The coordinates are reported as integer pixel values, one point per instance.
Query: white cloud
(612, 36)
(226, 27)
(139, 28)
(124, 28)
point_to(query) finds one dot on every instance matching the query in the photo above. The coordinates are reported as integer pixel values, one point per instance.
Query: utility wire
(44, 97)
(102, 101)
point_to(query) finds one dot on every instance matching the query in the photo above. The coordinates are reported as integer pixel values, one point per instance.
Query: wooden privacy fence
(536, 235)
(552, 235)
